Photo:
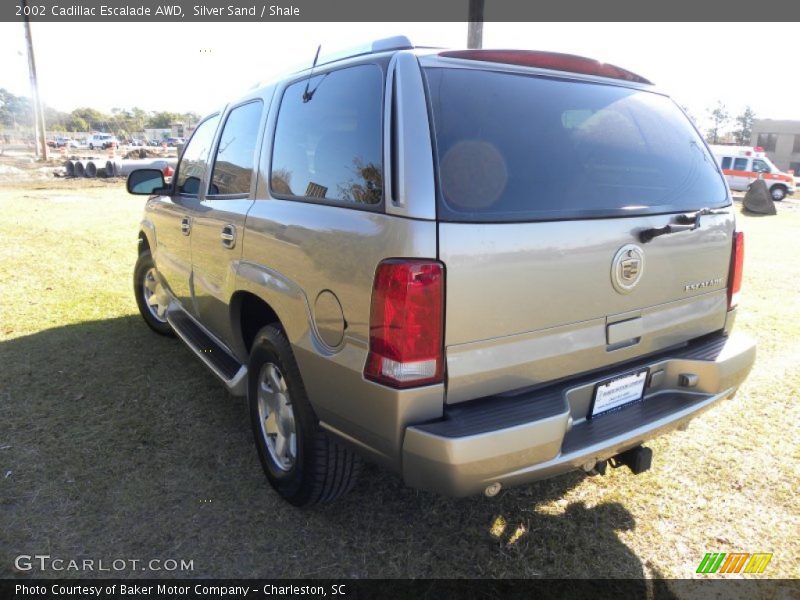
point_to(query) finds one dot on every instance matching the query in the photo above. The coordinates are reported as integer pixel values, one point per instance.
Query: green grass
(116, 443)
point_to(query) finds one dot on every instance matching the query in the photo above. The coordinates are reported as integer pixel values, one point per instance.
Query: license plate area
(617, 392)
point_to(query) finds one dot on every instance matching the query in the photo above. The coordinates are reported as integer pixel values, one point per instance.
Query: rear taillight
(407, 324)
(735, 275)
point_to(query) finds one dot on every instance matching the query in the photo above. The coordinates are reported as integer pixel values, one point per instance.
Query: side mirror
(144, 182)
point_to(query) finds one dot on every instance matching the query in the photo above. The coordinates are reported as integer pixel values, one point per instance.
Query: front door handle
(186, 226)
(228, 236)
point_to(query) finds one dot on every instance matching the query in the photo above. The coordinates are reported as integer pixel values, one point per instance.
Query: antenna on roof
(306, 94)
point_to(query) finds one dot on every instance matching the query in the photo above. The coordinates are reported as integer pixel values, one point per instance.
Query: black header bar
(105, 11)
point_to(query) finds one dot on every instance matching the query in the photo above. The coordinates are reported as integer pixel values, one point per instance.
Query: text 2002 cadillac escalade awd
(478, 268)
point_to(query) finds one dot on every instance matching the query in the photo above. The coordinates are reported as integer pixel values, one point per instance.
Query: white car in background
(102, 141)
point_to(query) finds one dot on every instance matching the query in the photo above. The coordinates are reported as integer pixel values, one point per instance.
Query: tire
(313, 468)
(778, 193)
(146, 285)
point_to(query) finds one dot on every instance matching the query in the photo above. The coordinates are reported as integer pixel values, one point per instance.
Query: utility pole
(38, 113)
(475, 31)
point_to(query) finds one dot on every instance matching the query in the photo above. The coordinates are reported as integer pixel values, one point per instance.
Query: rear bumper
(518, 439)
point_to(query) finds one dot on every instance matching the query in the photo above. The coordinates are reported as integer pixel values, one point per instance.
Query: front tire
(778, 193)
(151, 297)
(302, 462)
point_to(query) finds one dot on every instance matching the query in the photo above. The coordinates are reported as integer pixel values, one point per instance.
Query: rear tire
(146, 286)
(778, 193)
(302, 463)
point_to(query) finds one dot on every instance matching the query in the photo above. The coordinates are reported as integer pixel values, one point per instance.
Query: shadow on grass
(119, 444)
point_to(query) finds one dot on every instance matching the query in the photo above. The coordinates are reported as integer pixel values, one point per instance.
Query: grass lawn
(116, 443)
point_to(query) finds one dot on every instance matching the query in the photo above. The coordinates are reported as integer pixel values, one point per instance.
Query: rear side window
(726, 162)
(233, 163)
(329, 147)
(514, 147)
(740, 164)
(193, 161)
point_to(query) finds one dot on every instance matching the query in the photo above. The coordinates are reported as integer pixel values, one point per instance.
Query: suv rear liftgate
(571, 230)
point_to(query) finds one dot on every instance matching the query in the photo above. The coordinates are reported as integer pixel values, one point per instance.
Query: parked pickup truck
(478, 268)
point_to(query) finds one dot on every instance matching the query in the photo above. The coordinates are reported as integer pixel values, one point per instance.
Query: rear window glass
(514, 147)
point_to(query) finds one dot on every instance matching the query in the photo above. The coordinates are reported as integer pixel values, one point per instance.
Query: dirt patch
(144, 153)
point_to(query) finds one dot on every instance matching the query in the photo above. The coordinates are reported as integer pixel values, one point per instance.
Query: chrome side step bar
(210, 350)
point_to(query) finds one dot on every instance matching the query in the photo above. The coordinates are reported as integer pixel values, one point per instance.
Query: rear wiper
(685, 222)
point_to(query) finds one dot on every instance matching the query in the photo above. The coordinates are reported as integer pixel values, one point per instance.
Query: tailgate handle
(624, 331)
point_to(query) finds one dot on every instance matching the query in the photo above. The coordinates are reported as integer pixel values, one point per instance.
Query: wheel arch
(260, 294)
(147, 236)
(249, 313)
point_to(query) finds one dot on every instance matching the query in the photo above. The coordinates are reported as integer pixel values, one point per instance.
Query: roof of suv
(545, 63)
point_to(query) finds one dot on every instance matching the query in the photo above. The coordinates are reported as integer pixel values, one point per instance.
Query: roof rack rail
(397, 42)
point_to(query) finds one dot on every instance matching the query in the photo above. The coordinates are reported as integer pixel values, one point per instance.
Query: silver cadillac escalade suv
(478, 268)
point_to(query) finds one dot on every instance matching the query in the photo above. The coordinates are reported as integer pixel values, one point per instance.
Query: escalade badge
(627, 268)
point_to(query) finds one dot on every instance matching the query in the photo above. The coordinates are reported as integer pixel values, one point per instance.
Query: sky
(199, 66)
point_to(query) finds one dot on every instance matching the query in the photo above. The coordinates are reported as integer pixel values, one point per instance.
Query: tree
(94, 118)
(189, 118)
(367, 185)
(719, 118)
(14, 110)
(77, 124)
(163, 119)
(744, 127)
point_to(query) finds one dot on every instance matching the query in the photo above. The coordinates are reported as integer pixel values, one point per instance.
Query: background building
(780, 140)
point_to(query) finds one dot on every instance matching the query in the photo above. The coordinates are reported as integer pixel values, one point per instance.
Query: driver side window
(193, 161)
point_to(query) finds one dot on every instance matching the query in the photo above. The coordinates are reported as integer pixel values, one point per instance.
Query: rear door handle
(186, 226)
(228, 236)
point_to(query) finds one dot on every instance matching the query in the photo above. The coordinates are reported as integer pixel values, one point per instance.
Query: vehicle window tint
(233, 164)
(193, 162)
(329, 147)
(759, 166)
(726, 162)
(740, 164)
(515, 147)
